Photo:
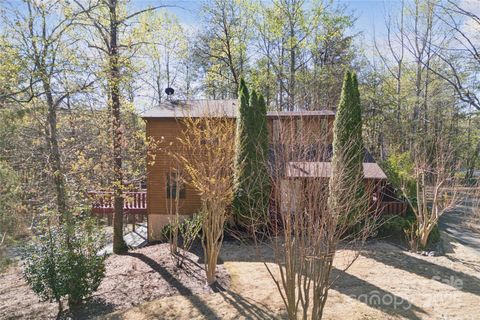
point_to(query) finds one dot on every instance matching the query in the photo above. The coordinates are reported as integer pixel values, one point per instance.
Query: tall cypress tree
(243, 151)
(262, 179)
(251, 177)
(262, 138)
(348, 151)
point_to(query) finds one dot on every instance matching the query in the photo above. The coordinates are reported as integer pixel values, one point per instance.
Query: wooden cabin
(164, 125)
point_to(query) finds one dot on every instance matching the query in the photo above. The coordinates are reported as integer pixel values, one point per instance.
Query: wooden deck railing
(393, 207)
(134, 202)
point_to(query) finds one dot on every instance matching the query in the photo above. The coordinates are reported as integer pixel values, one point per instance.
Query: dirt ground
(385, 282)
(141, 275)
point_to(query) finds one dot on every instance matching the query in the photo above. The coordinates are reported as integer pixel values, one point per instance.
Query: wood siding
(165, 133)
(300, 129)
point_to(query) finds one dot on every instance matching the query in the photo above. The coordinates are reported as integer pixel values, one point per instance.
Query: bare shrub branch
(207, 156)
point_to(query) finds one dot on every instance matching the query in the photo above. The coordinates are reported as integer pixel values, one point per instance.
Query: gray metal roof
(302, 113)
(324, 170)
(193, 108)
(216, 108)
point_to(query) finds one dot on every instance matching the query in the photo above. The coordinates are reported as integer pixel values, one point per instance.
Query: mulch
(140, 275)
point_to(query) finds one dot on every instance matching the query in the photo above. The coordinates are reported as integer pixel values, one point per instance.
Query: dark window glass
(174, 181)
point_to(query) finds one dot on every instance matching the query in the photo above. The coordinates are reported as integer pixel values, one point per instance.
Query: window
(175, 185)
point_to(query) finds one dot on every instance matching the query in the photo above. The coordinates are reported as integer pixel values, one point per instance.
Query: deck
(134, 202)
(134, 206)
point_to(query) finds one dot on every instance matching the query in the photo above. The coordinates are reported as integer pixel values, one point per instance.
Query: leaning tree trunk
(119, 245)
(55, 159)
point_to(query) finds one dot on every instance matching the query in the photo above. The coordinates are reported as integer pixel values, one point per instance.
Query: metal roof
(193, 108)
(324, 170)
(216, 108)
(301, 113)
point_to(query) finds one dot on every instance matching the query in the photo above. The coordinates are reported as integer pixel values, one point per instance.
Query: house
(164, 125)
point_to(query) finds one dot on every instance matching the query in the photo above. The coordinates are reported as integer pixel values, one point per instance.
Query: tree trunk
(119, 245)
(292, 86)
(55, 159)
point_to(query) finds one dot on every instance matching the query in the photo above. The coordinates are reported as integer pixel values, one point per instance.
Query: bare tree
(222, 46)
(396, 49)
(207, 156)
(436, 187)
(461, 59)
(308, 229)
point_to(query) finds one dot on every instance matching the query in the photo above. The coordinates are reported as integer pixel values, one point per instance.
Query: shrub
(252, 183)
(5, 260)
(399, 169)
(166, 233)
(11, 208)
(394, 226)
(402, 228)
(64, 262)
(188, 230)
(434, 236)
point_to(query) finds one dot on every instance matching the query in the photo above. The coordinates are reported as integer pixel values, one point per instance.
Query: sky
(369, 13)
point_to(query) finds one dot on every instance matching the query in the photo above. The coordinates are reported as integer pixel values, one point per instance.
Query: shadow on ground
(426, 269)
(249, 308)
(374, 296)
(96, 307)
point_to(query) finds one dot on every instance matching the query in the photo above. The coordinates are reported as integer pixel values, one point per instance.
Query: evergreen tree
(243, 152)
(252, 189)
(347, 160)
(262, 158)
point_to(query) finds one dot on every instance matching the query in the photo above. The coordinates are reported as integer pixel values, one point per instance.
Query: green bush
(186, 233)
(166, 233)
(64, 262)
(399, 169)
(395, 226)
(5, 260)
(11, 209)
(189, 230)
(434, 236)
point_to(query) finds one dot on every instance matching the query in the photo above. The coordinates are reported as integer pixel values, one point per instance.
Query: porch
(134, 205)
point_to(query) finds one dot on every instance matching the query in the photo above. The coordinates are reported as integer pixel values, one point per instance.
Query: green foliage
(263, 190)
(10, 203)
(64, 262)
(348, 151)
(166, 233)
(186, 233)
(188, 229)
(399, 169)
(5, 260)
(396, 226)
(243, 152)
(434, 236)
(252, 188)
